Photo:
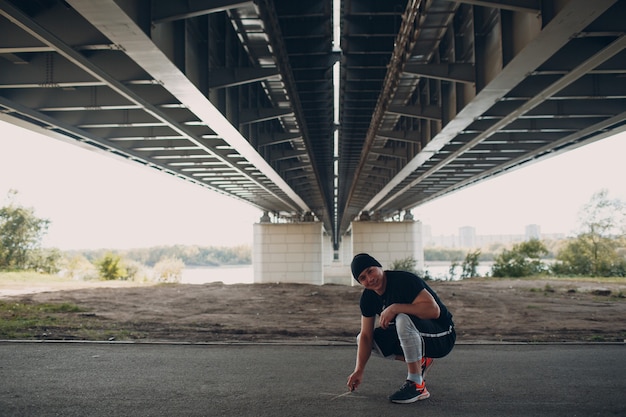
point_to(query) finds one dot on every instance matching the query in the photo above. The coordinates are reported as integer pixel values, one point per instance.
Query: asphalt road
(92, 379)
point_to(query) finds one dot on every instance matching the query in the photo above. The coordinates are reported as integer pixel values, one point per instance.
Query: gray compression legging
(410, 338)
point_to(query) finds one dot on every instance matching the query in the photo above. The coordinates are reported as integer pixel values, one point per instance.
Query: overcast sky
(550, 193)
(95, 201)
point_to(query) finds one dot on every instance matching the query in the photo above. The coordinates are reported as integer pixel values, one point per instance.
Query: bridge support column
(288, 252)
(389, 241)
(337, 263)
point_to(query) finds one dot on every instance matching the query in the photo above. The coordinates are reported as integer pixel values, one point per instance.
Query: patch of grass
(597, 338)
(25, 320)
(11, 309)
(57, 321)
(60, 308)
(598, 280)
(546, 289)
(616, 297)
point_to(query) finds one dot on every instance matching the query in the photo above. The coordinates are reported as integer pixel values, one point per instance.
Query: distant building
(467, 237)
(533, 231)
(441, 241)
(427, 234)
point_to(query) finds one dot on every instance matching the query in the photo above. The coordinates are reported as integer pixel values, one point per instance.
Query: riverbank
(485, 310)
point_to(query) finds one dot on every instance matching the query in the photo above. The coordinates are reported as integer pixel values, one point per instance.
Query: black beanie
(361, 262)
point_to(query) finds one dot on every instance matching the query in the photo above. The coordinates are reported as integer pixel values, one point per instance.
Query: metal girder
(400, 136)
(460, 73)
(230, 77)
(107, 17)
(262, 114)
(419, 112)
(528, 6)
(267, 139)
(169, 11)
(547, 43)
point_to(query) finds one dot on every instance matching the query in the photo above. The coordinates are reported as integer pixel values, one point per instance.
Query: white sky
(550, 193)
(95, 201)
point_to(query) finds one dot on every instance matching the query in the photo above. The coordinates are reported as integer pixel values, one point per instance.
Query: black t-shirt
(402, 287)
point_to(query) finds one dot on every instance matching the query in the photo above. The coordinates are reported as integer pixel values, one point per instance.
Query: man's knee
(403, 320)
(404, 325)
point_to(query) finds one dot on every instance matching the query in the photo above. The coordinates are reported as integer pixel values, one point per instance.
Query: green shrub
(523, 260)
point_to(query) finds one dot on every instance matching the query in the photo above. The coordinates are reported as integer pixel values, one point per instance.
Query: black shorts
(438, 342)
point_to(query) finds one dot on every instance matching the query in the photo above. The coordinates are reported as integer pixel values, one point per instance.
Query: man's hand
(354, 380)
(387, 316)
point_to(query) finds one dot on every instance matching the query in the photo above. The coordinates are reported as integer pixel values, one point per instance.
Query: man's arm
(364, 351)
(423, 306)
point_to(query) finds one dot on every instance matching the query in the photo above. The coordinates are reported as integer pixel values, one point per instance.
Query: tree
(587, 255)
(44, 260)
(77, 267)
(470, 264)
(20, 235)
(523, 260)
(596, 249)
(111, 267)
(603, 216)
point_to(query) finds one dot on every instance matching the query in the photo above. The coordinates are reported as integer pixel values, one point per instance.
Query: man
(414, 325)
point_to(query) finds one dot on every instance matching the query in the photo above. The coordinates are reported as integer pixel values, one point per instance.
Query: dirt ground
(484, 309)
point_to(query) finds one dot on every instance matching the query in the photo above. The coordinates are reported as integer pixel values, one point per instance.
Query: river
(244, 274)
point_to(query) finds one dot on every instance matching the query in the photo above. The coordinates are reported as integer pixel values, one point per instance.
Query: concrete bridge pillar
(389, 241)
(337, 263)
(302, 253)
(288, 252)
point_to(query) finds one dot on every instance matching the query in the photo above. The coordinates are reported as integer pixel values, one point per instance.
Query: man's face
(372, 278)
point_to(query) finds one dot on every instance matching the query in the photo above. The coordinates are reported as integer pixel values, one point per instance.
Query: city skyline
(469, 237)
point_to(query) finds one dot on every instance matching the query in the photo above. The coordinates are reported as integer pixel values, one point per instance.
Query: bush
(44, 260)
(77, 267)
(470, 264)
(523, 260)
(110, 267)
(406, 264)
(169, 270)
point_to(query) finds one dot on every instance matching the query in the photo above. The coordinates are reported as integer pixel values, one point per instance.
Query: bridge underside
(309, 111)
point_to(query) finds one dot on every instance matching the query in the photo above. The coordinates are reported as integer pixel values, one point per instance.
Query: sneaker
(426, 364)
(409, 393)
